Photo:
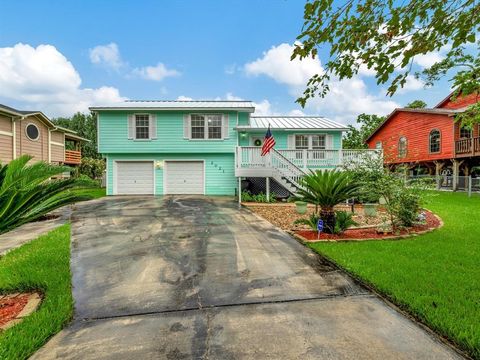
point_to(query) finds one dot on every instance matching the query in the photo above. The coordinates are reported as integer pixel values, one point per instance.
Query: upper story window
(208, 126)
(465, 132)
(378, 145)
(32, 132)
(311, 142)
(142, 126)
(402, 147)
(434, 141)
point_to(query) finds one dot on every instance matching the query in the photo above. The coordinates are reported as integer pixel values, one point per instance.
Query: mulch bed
(432, 222)
(283, 215)
(11, 306)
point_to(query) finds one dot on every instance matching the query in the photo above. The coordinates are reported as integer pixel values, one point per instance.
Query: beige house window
(32, 132)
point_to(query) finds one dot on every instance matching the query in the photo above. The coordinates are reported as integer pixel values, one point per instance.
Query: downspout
(14, 135)
(49, 146)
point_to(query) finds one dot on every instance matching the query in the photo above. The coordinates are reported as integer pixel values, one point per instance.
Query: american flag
(268, 142)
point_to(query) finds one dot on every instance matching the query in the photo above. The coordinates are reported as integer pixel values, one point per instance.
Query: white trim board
(6, 133)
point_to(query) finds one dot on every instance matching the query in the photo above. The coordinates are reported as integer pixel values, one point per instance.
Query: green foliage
(44, 265)
(433, 276)
(402, 198)
(27, 193)
(470, 116)
(385, 37)
(417, 104)
(93, 168)
(325, 189)
(311, 221)
(260, 197)
(88, 182)
(355, 138)
(343, 221)
(86, 126)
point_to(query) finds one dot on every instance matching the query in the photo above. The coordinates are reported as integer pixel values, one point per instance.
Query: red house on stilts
(429, 141)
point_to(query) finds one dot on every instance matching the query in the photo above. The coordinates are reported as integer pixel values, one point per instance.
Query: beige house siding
(6, 141)
(36, 148)
(57, 136)
(5, 123)
(58, 153)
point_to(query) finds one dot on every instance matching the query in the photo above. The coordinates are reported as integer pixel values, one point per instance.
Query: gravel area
(283, 215)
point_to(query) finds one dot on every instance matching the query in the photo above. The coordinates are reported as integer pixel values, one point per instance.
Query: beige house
(32, 133)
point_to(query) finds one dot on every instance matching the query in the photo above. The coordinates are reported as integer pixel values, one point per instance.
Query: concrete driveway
(195, 277)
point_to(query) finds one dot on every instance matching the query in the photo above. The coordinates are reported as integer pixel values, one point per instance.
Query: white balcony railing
(249, 157)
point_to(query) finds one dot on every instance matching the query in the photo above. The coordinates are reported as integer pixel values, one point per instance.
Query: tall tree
(355, 137)
(86, 126)
(386, 36)
(417, 104)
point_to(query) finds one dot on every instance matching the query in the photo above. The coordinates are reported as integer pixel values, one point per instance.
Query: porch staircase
(285, 172)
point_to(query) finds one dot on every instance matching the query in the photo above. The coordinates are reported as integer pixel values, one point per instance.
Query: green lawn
(435, 277)
(95, 193)
(42, 264)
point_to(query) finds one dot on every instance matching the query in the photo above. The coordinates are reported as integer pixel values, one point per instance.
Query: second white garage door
(184, 177)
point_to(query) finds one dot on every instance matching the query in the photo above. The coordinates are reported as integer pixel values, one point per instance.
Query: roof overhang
(172, 108)
(75, 137)
(434, 111)
(251, 129)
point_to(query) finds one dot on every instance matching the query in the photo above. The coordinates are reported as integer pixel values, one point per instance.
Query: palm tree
(27, 192)
(325, 189)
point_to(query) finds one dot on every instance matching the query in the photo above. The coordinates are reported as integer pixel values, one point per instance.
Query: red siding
(416, 128)
(460, 102)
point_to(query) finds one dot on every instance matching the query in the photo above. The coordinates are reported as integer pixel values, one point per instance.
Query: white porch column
(305, 158)
(239, 190)
(267, 180)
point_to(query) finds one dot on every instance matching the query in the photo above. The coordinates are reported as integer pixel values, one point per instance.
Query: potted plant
(301, 206)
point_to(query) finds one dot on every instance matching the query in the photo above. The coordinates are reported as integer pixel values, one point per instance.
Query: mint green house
(207, 147)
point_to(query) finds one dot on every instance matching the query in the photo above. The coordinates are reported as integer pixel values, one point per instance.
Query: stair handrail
(295, 173)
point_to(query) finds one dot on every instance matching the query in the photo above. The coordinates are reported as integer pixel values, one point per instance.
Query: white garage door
(184, 177)
(135, 178)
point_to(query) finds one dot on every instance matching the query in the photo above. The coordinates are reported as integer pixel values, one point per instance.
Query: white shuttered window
(205, 126)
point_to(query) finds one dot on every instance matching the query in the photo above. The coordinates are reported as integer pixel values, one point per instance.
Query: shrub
(27, 193)
(88, 182)
(325, 189)
(343, 220)
(93, 168)
(311, 221)
(260, 197)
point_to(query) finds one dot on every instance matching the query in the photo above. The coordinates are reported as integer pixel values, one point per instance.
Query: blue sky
(62, 56)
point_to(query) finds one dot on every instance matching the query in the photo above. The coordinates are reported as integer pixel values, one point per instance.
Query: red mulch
(432, 222)
(10, 307)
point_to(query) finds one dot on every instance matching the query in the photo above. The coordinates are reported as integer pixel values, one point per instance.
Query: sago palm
(325, 189)
(27, 191)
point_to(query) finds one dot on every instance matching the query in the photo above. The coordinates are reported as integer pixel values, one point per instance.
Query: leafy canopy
(355, 138)
(86, 126)
(417, 104)
(386, 36)
(27, 191)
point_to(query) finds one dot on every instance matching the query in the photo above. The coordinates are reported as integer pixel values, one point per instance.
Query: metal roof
(246, 106)
(293, 123)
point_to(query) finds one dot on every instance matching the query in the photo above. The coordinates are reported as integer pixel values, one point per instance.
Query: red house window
(402, 147)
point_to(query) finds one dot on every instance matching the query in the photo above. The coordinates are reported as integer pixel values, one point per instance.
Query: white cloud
(107, 55)
(155, 73)
(184, 98)
(427, 60)
(412, 84)
(346, 99)
(44, 79)
(276, 64)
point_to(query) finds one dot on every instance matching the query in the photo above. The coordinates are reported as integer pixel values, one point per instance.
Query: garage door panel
(135, 178)
(184, 177)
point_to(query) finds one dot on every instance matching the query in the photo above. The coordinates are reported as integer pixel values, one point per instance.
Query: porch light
(243, 134)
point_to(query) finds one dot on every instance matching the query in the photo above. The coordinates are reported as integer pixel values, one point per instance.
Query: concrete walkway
(181, 278)
(30, 231)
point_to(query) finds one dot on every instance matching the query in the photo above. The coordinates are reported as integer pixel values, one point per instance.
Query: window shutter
(329, 142)
(186, 126)
(152, 124)
(131, 126)
(225, 134)
(291, 141)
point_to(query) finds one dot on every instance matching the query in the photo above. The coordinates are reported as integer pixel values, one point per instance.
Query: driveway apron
(197, 277)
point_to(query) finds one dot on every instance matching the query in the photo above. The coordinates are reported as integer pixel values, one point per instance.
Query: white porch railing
(248, 157)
